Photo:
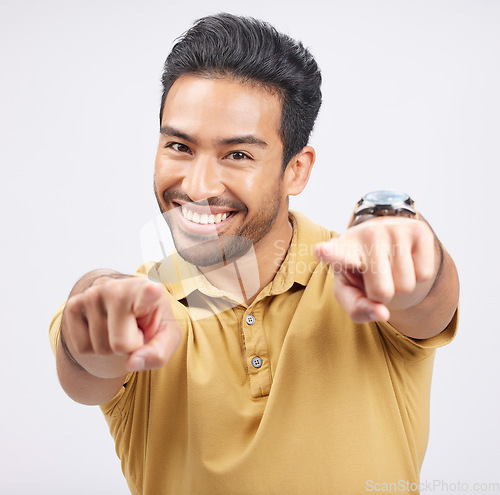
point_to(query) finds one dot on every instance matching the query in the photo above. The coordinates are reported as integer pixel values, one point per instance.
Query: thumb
(161, 333)
(150, 307)
(158, 351)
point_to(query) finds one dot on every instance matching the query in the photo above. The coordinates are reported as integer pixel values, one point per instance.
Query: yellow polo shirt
(280, 397)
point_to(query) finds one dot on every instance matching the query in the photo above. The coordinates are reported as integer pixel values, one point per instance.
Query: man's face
(218, 170)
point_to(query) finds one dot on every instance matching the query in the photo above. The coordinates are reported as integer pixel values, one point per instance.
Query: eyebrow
(243, 140)
(167, 130)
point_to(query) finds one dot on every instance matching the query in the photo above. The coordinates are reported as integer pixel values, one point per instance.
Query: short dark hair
(250, 50)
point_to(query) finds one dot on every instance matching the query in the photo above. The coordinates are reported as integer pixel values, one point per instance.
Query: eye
(239, 155)
(181, 148)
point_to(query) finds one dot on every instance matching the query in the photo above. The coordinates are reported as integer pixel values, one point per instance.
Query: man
(274, 357)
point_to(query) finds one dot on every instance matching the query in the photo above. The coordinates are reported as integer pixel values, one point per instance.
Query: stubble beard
(204, 252)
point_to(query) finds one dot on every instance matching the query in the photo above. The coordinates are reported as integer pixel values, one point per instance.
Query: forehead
(222, 106)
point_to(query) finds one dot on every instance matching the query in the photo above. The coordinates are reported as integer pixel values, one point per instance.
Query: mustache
(173, 195)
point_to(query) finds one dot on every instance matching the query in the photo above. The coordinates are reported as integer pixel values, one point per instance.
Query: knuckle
(422, 227)
(116, 294)
(92, 297)
(372, 234)
(73, 306)
(125, 342)
(372, 231)
(425, 273)
(153, 290)
(380, 294)
(405, 286)
(120, 345)
(423, 233)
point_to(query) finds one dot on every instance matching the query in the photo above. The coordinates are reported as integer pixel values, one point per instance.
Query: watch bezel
(370, 209)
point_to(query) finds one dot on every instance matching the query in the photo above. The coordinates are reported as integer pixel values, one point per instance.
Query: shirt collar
(183, 278)
(300, 261)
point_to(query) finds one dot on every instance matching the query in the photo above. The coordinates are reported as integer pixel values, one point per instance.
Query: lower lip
(201, 229)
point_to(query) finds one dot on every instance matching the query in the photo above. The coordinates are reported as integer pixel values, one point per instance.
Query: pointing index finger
(340, 254)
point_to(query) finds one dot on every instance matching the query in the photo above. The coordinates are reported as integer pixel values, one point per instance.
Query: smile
(204, 216)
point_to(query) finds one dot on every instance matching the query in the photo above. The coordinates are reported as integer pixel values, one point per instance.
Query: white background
(411, 101)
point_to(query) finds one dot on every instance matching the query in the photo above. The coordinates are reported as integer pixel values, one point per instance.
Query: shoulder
(309, 231)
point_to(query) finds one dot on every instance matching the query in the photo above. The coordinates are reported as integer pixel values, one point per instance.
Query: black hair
(250, 50)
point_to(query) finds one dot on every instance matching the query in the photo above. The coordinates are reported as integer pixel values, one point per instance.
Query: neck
(247, 275)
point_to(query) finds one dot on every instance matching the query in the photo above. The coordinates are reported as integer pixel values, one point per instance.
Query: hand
(382, 265)
(118, 325)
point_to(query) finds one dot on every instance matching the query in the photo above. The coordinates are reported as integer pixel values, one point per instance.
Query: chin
(213, 252)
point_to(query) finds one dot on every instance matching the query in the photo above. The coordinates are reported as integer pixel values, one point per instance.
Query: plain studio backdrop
(411, 102)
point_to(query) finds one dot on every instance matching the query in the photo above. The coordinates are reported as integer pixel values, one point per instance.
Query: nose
(203, 180)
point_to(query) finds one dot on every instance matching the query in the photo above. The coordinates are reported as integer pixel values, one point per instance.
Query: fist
(382, 265)
(118, 325)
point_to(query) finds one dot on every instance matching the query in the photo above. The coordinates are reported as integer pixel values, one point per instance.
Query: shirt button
(250, 319)
(256, 362)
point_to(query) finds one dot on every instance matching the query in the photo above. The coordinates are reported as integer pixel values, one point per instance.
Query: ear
(298, 171)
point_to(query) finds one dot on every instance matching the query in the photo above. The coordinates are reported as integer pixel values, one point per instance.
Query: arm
(112, 324)
(394, 269)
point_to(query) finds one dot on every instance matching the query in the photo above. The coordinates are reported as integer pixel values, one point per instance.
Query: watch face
(385, 197)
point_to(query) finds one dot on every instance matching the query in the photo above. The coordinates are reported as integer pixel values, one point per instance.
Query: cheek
(256, 191)
(263, 175)
(166, 175)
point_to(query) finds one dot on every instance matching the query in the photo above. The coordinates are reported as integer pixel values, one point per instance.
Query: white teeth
(204, 218)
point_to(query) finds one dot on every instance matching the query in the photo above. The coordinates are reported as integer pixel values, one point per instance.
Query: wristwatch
(383, 203)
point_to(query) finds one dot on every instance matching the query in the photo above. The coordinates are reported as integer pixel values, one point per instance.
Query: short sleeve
(410, 349)
(115, 405)
(55, 327)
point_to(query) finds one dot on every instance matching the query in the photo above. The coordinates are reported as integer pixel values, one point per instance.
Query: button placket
(257, 352)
